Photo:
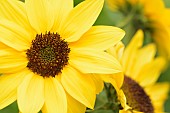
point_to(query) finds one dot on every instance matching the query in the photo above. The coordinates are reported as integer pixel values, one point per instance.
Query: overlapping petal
(149, 73)
(61, 9)
(117, 77)
(55, 97)
(80, 19)
(9, 65)
(143, 56)
(40, 14)
(74, 106)
(117, 50)
(14, 35)
(91, 61)
(14, 10)
(8, 87)
(100, 38)
(30, 95)
(6, 50)
(98, 82)
(81, 87)
(129, 55)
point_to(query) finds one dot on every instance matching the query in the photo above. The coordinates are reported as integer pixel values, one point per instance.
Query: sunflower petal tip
(140, 33)
(123, 32)
(120, 31)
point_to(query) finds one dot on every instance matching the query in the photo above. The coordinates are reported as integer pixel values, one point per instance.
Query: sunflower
(139, 91)
(149, 15)
(48, 48)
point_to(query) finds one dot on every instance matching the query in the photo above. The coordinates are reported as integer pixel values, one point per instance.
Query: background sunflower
(109, 18)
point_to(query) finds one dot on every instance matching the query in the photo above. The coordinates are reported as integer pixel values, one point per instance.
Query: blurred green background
(109, 18)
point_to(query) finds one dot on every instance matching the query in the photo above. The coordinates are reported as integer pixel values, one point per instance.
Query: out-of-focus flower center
(136, 96)
(48, 54)
(136, 12)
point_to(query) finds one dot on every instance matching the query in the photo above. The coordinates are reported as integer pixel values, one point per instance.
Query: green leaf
(13, 108)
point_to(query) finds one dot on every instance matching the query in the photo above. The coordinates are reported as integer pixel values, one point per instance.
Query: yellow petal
(6, 50)
(123, 101)
(144, 56)
(117, 77)
(55, 97)
(8, 87)
(115, 4)
(79, 86)
(14, 36)
(12, 63)
(161, 37)
(130, 52)
(98, 82)
(3, 46)
(100, 37)
(120, 93)
(153, 7)
(166, 16)
(112, 81)
(117, 50)
(61, 10)
(129, 111)
(150, 72)
(31, 94)
(40, 14)
(91, 61)
(119, 47)
(74, 106)
(14, 10)
(80, 19)
(158, 94)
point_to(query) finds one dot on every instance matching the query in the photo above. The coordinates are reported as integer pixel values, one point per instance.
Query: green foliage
(106, 101)
(13, 108)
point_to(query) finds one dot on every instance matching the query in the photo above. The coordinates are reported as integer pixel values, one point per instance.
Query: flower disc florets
(48, 54)
(136, 96)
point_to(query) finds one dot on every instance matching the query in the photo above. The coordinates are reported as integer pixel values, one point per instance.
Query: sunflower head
(48, 54)
(151, 16)
(136, 96)
(48, 50)
(140, 92)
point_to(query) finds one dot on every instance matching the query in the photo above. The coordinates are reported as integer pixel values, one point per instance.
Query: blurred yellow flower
(149, 15)
(47, 50)
(139, 92)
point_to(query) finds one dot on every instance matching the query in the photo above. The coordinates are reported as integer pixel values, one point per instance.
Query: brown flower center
(136, 96)
(48, 54)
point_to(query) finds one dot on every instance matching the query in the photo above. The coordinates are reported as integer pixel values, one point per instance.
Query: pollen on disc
(48, 54)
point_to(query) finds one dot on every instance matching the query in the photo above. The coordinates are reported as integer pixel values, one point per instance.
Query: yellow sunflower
(47, 50)
(149, 15)
(141, 70)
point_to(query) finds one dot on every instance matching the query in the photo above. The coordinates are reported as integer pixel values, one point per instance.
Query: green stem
(128, 18)
(111, 104)
(125, 21)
